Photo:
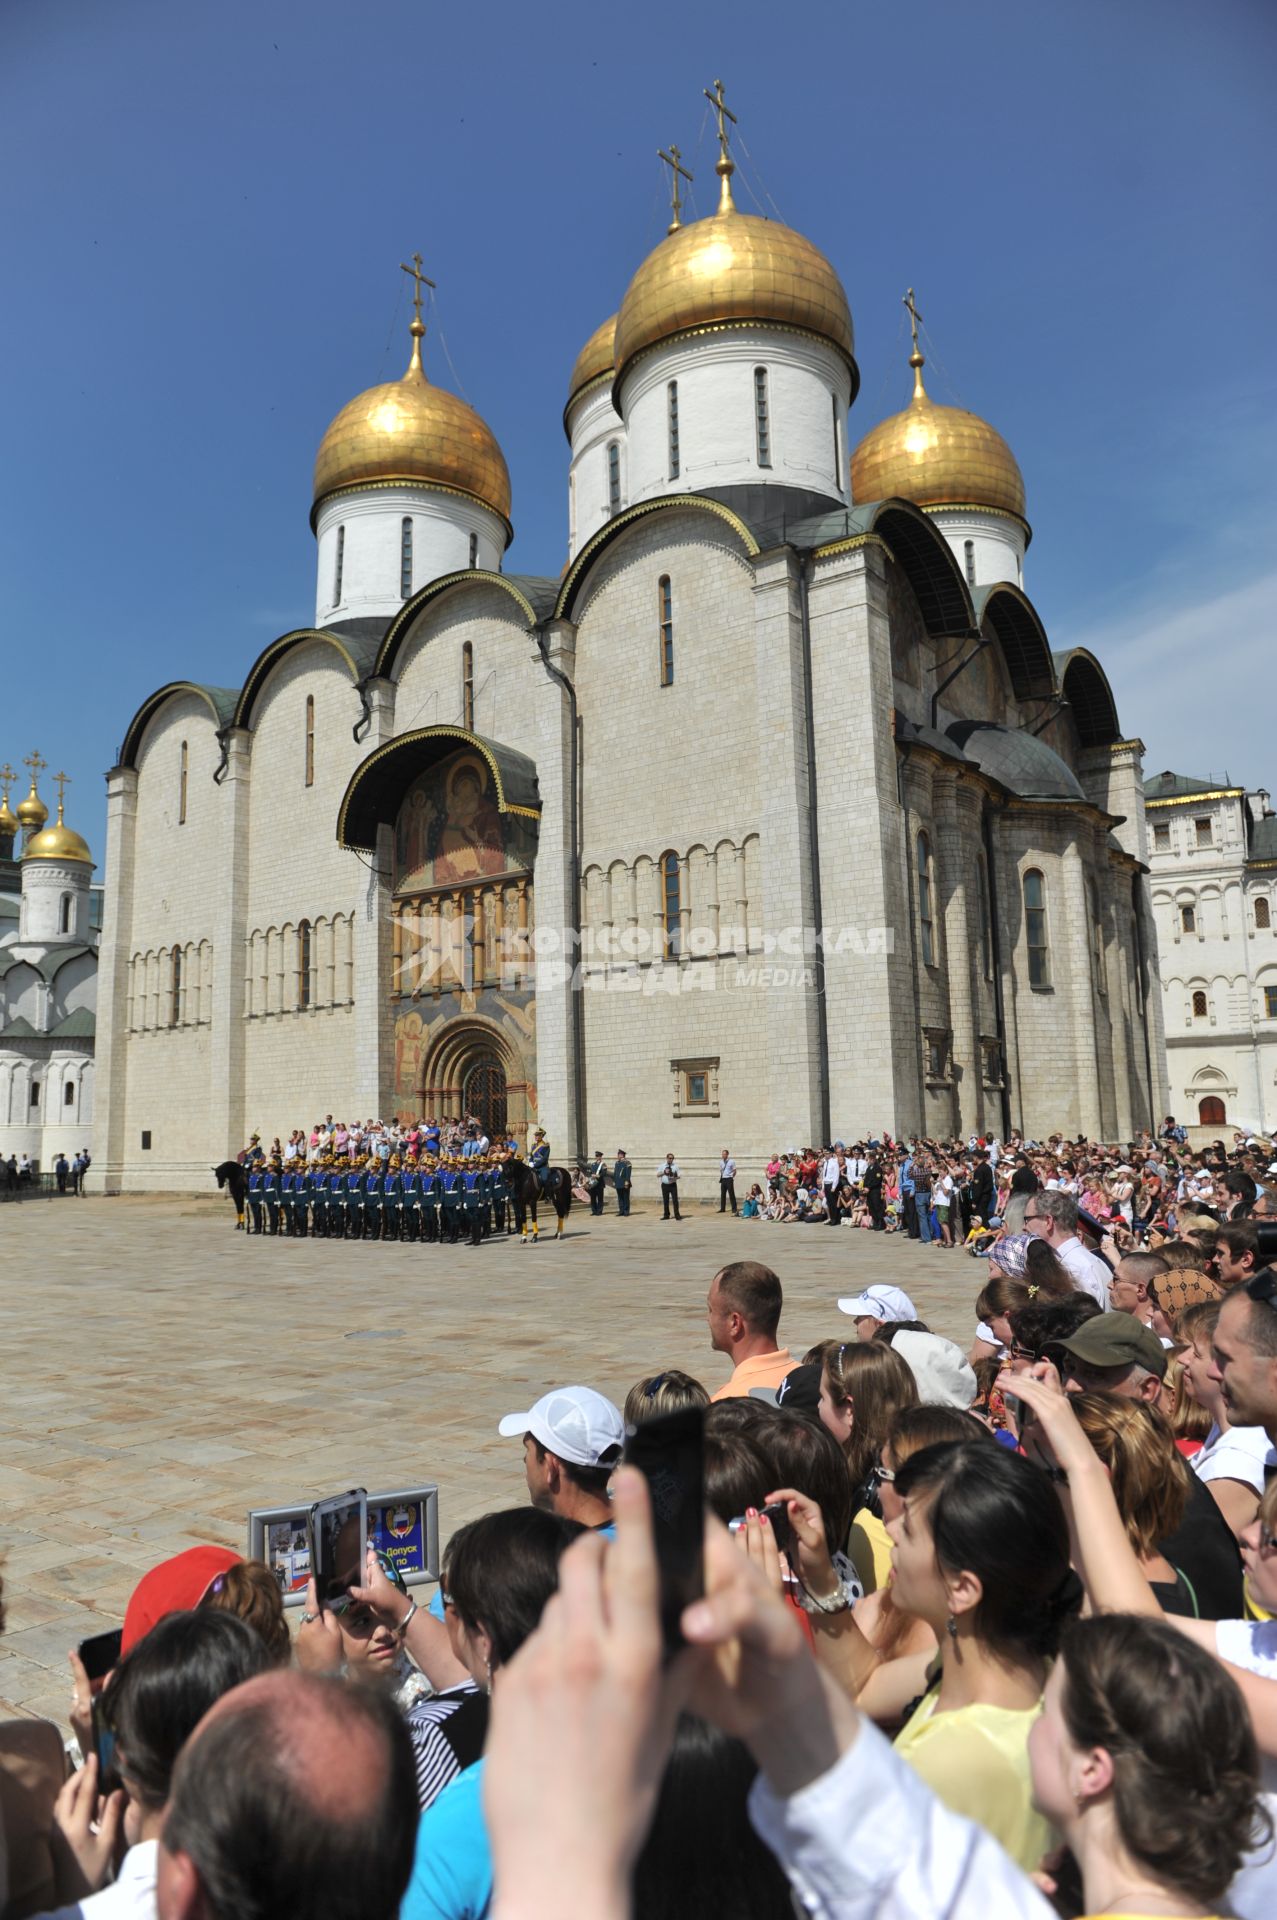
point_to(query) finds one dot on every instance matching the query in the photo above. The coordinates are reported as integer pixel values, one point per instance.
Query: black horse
(526, 1190)
(231, 1174)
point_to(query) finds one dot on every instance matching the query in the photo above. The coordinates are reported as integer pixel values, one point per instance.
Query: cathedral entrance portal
(483, 1094)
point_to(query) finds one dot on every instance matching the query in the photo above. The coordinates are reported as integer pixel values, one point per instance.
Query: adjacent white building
(1213, 863)
(49, 932)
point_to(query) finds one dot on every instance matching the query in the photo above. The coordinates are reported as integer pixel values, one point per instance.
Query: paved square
(163, 1373)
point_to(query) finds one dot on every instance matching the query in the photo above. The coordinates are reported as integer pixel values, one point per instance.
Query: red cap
(173, 1587)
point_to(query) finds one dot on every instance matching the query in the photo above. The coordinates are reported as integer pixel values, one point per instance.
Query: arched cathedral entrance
(454, 821)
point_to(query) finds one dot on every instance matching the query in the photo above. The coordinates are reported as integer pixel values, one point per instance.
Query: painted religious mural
(450, 831)
(438, 1043)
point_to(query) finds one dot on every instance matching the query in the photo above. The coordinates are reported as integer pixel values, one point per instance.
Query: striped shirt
(447, 1732)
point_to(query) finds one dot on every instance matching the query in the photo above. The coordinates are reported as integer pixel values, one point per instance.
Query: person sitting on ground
(743, 1311)
(152, 1703)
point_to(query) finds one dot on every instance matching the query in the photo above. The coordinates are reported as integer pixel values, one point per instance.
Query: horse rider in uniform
(539, 1158)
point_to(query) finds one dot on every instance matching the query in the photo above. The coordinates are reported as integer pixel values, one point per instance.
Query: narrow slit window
(671, 905)
(613, 476)
(183, 768)
(405, 559)
(68, 1094)
(968, 554)
(305, 965)
(339, 565)
(1188, 920)
(926, 926)
(837, 443)
(467, 686)
(672, 408)
(762, 417)
(665, 603)
(1263, 916)
(175, 996)
(474, 551)
(310, 739)
(65, 924)
(1199, 1006)
(1035, 929)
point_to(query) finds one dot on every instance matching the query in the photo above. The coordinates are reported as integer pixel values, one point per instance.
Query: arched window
(1199, 1005)
(986, 918)
(183, 763)
(1188, 919)
(926, 927)
(665, 622)
(405, 559)
(762, 419)
(837, 441)
(1035, 929)
(68, 1094)
(305, 965)
(339, 566)
(1263, 915)
(310, 739)
(968, 554)
(671, 393)
(467, 686)
(474, 551)
(1210, 1112)
(671, 904)
(175, 991)
(613, 476)
(64, 925)
(35, 1093)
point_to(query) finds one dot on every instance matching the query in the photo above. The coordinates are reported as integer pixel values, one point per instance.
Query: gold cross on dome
(419, 280)
(724, 112)
(674, 161)
(7, 778)
(61, 781)
(915, 318)
(36, 764)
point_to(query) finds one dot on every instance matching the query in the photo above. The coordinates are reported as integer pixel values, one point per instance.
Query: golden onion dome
(58, 842)
(595, 359)
(411, 432)
(733, 269)
(9, 821)
(32, 812)
(937, 457)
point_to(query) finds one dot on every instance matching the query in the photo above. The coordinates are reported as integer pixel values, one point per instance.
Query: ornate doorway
(1210, 1112)
(483, 1093)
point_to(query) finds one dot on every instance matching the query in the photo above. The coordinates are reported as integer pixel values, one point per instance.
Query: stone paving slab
(163, 1373)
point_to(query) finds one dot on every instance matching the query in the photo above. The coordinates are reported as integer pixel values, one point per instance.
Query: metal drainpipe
(986, 835)
(1141, 976)
(574, 832)
(813, 836)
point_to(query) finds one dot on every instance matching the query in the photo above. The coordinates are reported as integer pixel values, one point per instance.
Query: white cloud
(1196, 678)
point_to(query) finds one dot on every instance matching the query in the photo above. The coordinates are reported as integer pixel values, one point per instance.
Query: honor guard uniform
(498, 1191)
(473, 1200)
(392, 1200)
(270, 1193)
(431, 1200)
(355, 1201)
(337, 1201)
(410, 1216)
(374, 1214)
(453, 1195)
(255, 1195)
(319, 1204)
(539, 1158)
(301, 1201)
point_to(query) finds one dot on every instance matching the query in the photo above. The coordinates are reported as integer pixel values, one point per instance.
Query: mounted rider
(539, 1158)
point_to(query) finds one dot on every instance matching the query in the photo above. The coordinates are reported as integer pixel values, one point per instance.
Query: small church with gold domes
(773, 819)
(50, 921)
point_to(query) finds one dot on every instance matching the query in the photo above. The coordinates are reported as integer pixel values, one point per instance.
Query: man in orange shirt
(743, 1310)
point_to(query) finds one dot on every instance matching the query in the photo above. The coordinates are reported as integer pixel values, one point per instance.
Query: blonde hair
(250, 1589)
(875, 1382)
(659, 1393)
(1149, 1477)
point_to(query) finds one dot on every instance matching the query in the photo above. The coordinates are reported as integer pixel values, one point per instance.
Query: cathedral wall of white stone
(594, 425)
(808, 395)
(668, 766)
(47, 887)
(996, 541)
(506, 668)
(372, 547)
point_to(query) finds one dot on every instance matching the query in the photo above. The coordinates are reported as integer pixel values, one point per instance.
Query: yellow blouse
(869, 1550)
(976, 1760)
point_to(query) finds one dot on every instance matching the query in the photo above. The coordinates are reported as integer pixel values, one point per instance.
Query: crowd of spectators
(984, 1630)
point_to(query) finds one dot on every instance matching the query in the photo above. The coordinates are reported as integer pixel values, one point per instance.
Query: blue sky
(204, 210)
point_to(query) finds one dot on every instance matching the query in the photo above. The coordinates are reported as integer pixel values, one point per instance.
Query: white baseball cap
(576, 1423)
(944, 1375)
(880, 1303)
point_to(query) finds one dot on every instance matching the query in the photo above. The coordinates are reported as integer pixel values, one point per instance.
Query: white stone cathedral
(772, 819)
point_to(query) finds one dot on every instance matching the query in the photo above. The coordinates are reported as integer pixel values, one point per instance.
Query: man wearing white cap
(874, 1306)
(572, 1440)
